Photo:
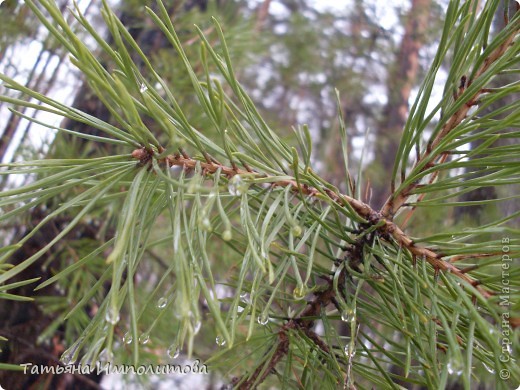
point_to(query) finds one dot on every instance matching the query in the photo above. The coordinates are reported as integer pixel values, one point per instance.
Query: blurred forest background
(289, 55)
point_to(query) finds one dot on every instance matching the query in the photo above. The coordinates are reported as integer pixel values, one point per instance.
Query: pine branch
(427, 316)
(399, 198)
(386, 228)
(303, 323)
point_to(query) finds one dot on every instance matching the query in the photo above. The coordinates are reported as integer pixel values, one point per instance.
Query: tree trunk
(400, 82)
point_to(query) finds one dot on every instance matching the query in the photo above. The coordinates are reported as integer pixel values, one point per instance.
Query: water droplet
(236, 186)
(453, 237)
(175, 171)
(173, 351)
(162, 302)
(71, 354)
(127, 338)
(263, 319)
(348, 315)
(243, 294)
(221, 341)
(296, 230)
(144, 338)
(112, 315)
(454, 367)
(227, 235)
(205, 224)
(488, 369)
(196, 327)
(350, 351)
(299, 292)
(143, 88)
(106, 356)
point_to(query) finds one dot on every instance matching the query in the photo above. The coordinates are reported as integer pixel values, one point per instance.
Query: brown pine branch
(304, 323)
(386, 229)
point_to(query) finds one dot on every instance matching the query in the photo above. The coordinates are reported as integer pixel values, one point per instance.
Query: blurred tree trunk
(34, 81)
(401, 79)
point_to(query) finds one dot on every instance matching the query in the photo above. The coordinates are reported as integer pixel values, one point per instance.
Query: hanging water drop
(205, 224)
(143, 88)
(299, 293)
(221, 341)
(296, 230)
(173, 351)
(454, 367)
(348, 315)
(263, 319)
(227, 235)
(350, 351)
(144, 338)
(106, 356)
(236, 186)
(127, 338)
(162, 302)
(71, 354)
(112, 315)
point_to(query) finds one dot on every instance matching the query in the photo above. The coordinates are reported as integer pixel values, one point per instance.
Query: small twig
(396, 201)
(303, 323)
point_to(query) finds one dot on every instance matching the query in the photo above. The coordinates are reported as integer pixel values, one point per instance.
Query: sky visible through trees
(30, 54)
